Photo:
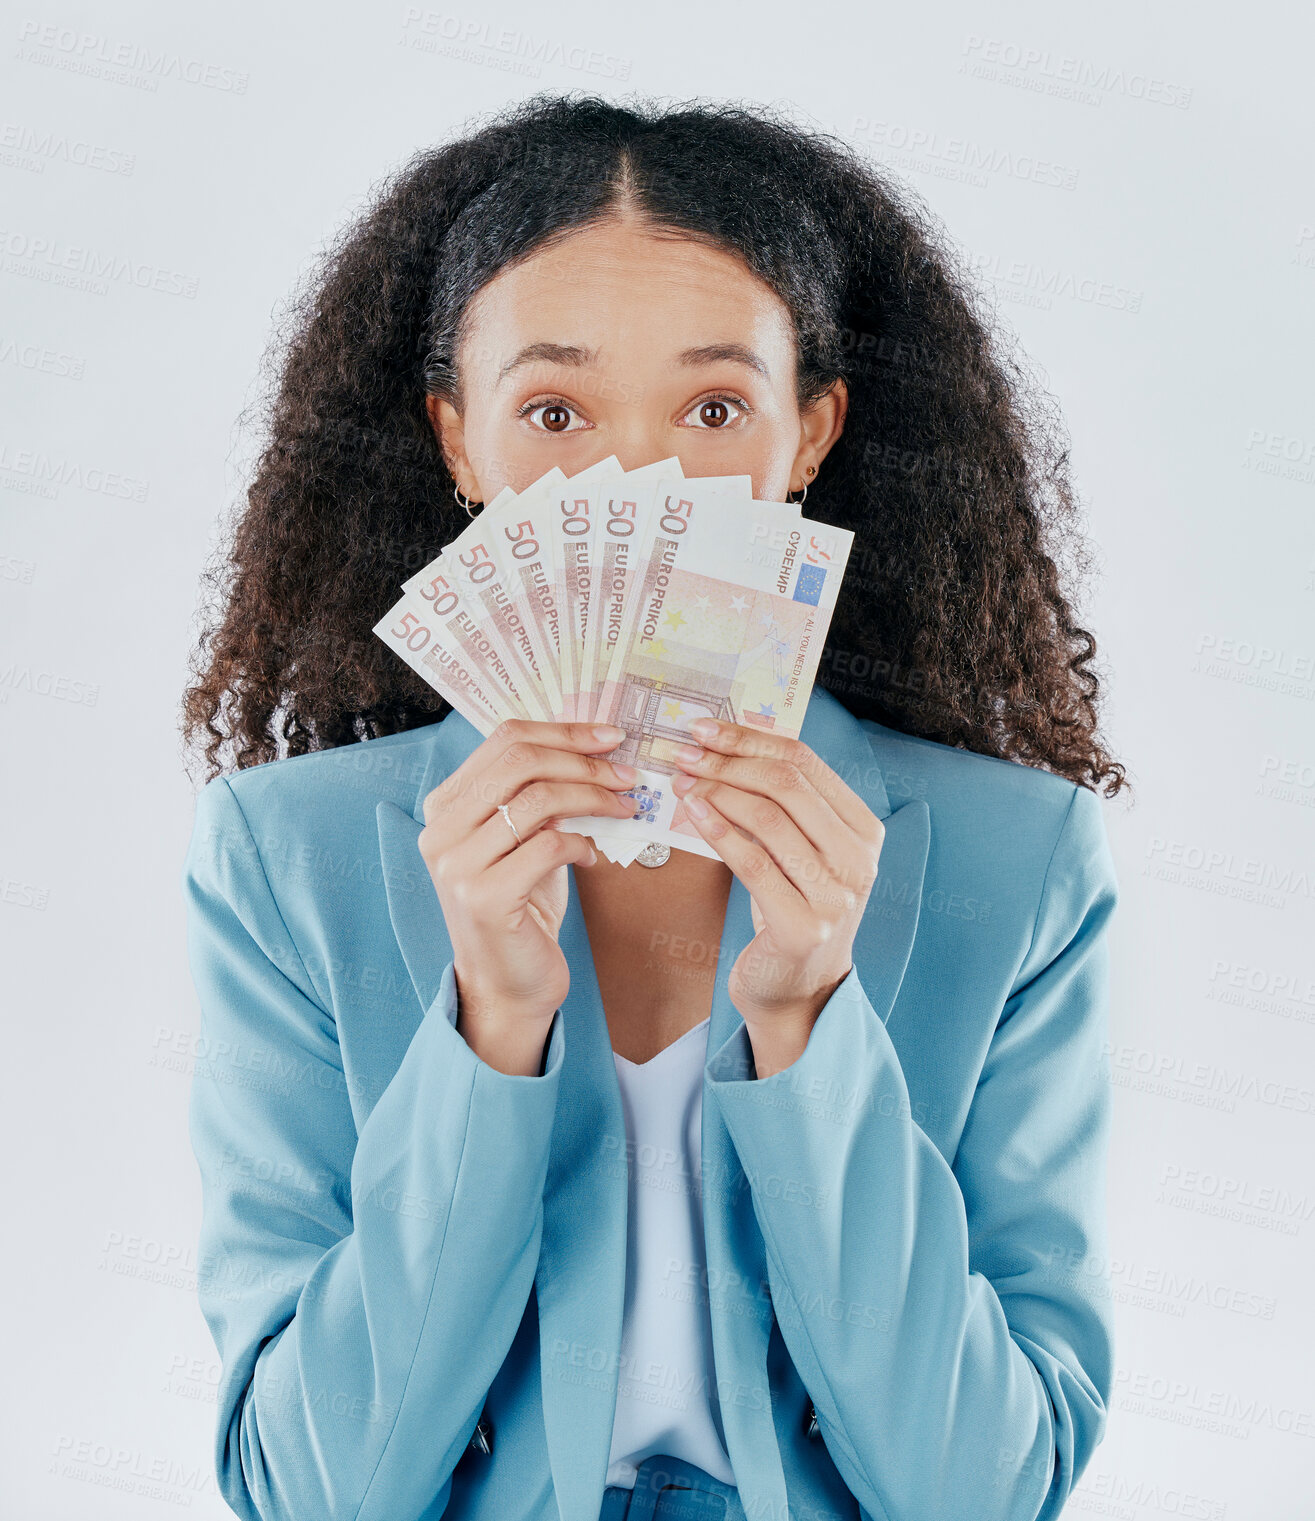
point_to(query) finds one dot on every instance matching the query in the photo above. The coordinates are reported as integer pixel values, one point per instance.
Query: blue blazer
(413, 1265)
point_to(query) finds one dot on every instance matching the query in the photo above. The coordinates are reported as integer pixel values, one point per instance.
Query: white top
(666, 1388)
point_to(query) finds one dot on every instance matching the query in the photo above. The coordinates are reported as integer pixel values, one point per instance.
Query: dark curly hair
(953, 622)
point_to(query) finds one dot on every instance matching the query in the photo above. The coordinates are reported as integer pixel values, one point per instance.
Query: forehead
(618, 283)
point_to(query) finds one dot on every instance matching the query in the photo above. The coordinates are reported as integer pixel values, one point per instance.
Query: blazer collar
(580, 1280)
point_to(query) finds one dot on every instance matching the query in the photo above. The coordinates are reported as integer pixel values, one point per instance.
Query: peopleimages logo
(34, 256)
(472, 33)
(38, 147)
(87, 52)
(24, 678)
(41, 474)
(914, 147)
(1041, 286)
(1063, 74)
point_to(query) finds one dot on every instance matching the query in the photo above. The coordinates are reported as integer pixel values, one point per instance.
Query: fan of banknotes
(640, 598)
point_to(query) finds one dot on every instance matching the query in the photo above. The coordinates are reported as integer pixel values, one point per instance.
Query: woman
(434, 1259)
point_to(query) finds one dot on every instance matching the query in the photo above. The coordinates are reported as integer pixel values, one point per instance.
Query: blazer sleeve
(949, 1322)
(362, 1290)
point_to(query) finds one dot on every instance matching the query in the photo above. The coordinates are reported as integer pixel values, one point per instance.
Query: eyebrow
(734, 353)
(574, 356)
(551, 353)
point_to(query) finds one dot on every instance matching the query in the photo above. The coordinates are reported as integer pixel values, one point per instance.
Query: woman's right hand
(503, 902)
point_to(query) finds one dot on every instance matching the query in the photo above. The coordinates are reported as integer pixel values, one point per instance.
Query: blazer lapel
(412, 903)
(740, 1312)
(736, 1257)
(580, 1281)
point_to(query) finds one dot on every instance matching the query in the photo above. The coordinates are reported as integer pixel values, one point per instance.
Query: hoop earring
(465, 501)
(808, 470)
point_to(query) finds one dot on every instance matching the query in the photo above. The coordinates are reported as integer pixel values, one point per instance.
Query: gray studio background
(1134, 186)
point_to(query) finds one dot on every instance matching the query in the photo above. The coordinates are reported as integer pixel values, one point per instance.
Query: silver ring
(506, 813)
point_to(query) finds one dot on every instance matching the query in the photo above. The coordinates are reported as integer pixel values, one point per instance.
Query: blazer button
(811, 1428)
(482, 1440)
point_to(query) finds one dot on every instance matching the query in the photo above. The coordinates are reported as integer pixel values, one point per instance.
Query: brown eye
(715, 413)
(555, 416)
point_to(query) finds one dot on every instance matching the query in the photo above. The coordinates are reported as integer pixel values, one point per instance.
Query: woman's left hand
(807, 848)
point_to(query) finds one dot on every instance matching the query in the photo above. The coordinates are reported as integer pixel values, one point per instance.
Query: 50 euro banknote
(728, 621)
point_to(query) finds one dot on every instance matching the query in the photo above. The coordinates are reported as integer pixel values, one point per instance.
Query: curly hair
(953, 623)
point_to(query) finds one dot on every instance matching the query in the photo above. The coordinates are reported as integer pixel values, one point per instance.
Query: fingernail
(690, 753)
(628, 774)
(609, 734)
(680, 785)
(697, 807)
(703, 728)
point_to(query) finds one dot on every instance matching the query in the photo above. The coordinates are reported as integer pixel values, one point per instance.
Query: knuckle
(788, 776)
(533, 798)
(440, 799)
(758, 866)
(553, 843)
(767, 815)
(519, 755)
(507, 732)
